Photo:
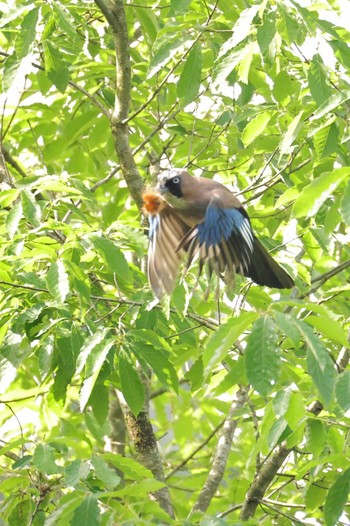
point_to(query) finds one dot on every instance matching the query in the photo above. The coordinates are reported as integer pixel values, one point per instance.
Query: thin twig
(221, 453)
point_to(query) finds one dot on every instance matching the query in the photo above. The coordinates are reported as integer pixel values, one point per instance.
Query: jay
(203, 219)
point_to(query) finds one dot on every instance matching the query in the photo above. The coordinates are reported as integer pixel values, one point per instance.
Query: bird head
(170, 182)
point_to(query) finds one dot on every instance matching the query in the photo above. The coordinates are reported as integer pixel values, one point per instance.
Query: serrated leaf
(266, 32)
(179, 6)
(319, 363)
(15, 72)
(64, 20)
(108, 475)
(158, 361)
(26, 35)
(222, 340)
(317, 79)
(87, 513)
(164, 53)
(113, 258)
(44, 459)
(90, 344)
(315, 194)
(240, 30)
(31, 209)
(315, 435)
(287, 26)
(342, 390)
(255, 127)
(261, 357)
(291, 134)
(224, 68)
(329, 328)
(247, 55)
(130, 467)
(326, 141)
(131, 385)
(287, 328)
(277, 428)
(13, 219)
(336, 498)
(55, 67)
(76, 471)
(335, 100)
(57, 281)
(345, 205)
(190, 78)
(94, 363)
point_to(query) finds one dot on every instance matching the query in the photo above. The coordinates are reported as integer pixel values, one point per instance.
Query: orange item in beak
(153, 203)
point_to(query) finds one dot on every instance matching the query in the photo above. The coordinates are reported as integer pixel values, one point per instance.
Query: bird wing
(166, 231)
(225, 241)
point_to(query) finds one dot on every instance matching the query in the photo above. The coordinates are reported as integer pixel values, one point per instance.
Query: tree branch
(115, 16)
(262, 481)
(221, 453)
(141, 433)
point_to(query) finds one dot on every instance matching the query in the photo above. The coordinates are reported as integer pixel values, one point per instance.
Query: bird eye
(176, 180)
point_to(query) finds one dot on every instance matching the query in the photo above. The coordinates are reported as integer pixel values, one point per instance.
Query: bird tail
(264, 270)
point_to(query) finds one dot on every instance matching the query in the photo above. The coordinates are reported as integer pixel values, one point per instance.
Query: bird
(201, 218)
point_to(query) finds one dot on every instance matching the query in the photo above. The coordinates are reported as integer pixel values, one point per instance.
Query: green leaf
(342, 390)
(225, 67)
(223, 339)
(159, 362)
(94, 363)
(255, 127)
(130, 467)
(291, 134)
(314, 497)
(55, 67)
(345, 204)
(276, 431)
(64, 20)
(57, 281)
(315, 194)
(131, 385)
(31, 209)
(261, 357)
(266, 32)
(27, 34)
(93, 341)
(287, 26)
(87, 514)
(333, 102)
(108, 475)
(336, 498)
(44, 459)
(76, 471)
(318, 82)
(241, 29)
(196, 374)
(13, 219)
(179, 6)
(247, 55)
(21, 513)
(326, 141)
(283, 87)
(164, 53)
(329, 328)
(315, 434)
(320, 365)
(190, 78)
(113, 258)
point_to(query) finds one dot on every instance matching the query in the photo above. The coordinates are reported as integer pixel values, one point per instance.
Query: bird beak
(161, 188)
